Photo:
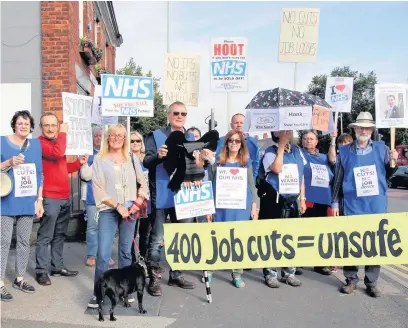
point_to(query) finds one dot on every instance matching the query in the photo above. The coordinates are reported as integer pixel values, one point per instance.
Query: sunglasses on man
(184, 114)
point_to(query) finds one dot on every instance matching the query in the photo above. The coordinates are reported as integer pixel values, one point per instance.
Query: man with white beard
(362, 170)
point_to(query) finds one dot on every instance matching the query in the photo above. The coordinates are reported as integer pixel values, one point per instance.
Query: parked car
(399, 178)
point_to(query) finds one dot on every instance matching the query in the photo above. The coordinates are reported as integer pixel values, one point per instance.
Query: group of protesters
(116, 191)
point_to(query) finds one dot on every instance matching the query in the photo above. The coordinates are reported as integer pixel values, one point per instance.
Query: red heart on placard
(340, 87)
(234, 171)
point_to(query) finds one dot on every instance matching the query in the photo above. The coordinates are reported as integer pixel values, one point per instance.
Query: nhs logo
(228, 68)
(124, 95)
(194, 202)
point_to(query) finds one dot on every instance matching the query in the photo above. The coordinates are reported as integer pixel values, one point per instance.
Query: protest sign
(231, 188)
(124, 95)
(25, 180)
(262, 120)
(391, 105)
(299, 35)
(181, 78)
(320, 118)
(375, 239)
(339, 93)
(295, 118)
(97, 117)
(229, 71)
(77, 113)
(192, 202)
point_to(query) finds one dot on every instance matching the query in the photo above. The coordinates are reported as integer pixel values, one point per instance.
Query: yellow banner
(327, 241)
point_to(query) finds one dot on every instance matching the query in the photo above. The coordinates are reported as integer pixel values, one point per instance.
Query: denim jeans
(109, 221)
(91, 230)
(157, 236)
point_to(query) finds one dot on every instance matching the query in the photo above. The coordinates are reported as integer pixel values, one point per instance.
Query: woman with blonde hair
(234, 153)
(119, 188)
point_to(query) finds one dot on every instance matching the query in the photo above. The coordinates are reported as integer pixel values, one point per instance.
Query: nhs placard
(124, 95)
(194, 202)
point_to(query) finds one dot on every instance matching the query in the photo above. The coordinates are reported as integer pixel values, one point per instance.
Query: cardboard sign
(299, 34)
(97, 117)
(320, 118)
(339, 93)
(181, 79)
(190, 203)
(391, 108)
(229, 71)
(376, 239)
(295, 118)
(231, 189)
(77, 113)
(124, 95)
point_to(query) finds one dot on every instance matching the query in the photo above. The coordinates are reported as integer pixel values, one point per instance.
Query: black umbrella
(280, 97)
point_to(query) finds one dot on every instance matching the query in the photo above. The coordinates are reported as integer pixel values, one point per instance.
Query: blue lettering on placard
(228, 67)
(127, 87)
(128, 111)
(339, 97)
(189, 196)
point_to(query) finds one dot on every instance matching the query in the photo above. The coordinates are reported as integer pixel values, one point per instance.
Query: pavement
(317, 303)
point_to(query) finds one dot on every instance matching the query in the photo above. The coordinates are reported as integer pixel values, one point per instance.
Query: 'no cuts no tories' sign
(77, 113)
(124, 95)
(299, 34)
(229, 64)
(181, 79)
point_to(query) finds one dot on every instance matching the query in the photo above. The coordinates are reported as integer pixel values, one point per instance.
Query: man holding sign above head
(281, 185)
(362, 170)
(237, 124)
(57, 203)
(162, 198)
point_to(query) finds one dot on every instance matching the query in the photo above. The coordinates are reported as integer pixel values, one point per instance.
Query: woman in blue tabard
(22, 159)
(281, 186)
(234, 154)
(318, 177)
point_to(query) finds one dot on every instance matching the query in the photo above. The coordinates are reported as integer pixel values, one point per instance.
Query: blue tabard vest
(293, 157)
(164, 196)
(315, 194)
(354, 205)
(90, 200)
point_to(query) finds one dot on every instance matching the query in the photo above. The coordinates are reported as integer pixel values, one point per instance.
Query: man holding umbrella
(373, 158)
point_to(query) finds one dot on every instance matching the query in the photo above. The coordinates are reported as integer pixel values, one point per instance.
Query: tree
(146, 124)
(363, 100)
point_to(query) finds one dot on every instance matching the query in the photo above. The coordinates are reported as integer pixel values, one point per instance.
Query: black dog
(119, 284)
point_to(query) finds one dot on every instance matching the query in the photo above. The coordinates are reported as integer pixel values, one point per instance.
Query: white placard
(77, 113)
(181, 79)
(366, 180)
(25, 180)
(192, 202)
(299, 34)
(124, 95)
(97, 117)
(229, 71)
(289, 179)
(391, 109)
(295, 118)
(231, 189)
(262, 120)
(320, 175)
(339, 93)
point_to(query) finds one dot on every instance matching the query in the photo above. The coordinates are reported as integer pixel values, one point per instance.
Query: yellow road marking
(402, 267)
(401, 274)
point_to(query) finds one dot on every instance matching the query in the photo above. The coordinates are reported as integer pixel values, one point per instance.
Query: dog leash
(130, 232)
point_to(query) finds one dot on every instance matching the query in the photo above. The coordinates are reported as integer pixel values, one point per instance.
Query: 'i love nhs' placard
(124, 95)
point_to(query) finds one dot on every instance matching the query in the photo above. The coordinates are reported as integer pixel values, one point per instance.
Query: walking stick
(207, 287)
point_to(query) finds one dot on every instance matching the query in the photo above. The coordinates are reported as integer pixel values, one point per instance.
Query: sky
(367, 36)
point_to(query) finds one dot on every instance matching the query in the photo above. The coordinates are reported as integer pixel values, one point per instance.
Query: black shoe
(181, 282)
(43, 279)
(373, 291)
(22, 285)
(64, 272)
(323, 270)
(299, 271)
(5, 295)
(348, 289)
(154, 287)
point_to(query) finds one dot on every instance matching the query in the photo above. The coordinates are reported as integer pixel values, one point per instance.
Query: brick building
(55, 47)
